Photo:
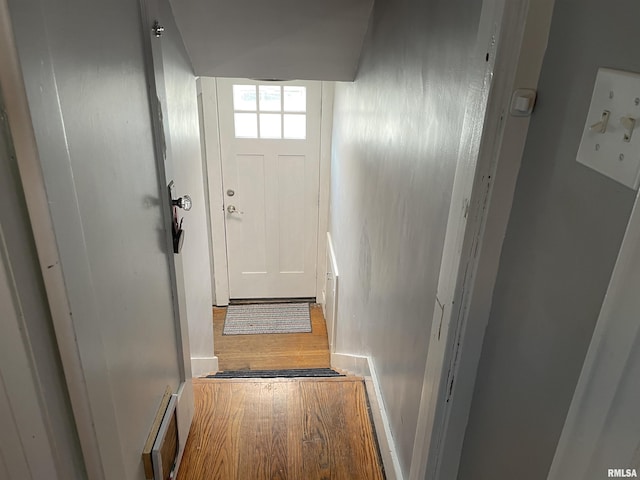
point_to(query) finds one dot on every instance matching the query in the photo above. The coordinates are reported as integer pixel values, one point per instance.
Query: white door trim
(606, 393)
(326, 131)
(477, 220)
(474, 303)
(208, 89)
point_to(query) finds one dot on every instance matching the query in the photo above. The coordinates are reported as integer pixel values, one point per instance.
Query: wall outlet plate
(611, 140)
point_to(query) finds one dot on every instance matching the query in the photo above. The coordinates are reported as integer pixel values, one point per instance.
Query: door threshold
(249, 301)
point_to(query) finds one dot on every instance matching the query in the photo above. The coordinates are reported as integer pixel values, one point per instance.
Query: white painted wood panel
(331, 293)
(271, 216)
(326, 131)
(111, 288)
(49, 311)
(250, 230)
(24, 441)
(602, 429)
(291, 213)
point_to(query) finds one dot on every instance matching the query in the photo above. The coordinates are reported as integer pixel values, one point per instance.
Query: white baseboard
(351, 363)
(363, 366)
(203, 366)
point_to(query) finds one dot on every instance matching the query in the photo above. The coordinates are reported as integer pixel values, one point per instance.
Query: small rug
(301, 372)
(262, 318)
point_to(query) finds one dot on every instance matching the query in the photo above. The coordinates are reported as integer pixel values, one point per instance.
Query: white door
(601, 435)
(180, 146)
(270, 146)
(174, 120)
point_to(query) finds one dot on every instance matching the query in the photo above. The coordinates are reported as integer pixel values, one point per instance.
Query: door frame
(607, 362)
(513, 34)
(212, 157)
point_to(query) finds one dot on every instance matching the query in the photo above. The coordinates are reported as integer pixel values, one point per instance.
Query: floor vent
(161, 450)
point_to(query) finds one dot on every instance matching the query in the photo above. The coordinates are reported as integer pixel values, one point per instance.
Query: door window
(270, 111)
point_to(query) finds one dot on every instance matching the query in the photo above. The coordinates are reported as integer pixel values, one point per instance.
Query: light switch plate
(604, 146)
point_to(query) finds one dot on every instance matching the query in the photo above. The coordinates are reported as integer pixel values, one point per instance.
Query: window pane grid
(269, 111)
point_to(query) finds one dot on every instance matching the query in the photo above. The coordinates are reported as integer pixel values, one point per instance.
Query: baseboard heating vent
(161, 449)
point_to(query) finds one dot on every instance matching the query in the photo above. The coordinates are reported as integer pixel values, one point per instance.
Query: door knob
(183, 202)
(232, 209)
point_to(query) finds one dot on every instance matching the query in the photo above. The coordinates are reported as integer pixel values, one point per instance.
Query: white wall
(276, 39)
(84, 72)
(184, 129)
(396, 139)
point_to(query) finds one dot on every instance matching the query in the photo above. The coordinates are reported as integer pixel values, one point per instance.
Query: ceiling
(274, 39)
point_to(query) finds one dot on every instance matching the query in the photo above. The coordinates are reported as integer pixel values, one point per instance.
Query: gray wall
(88, 98)
(564, 233)
(396, 136)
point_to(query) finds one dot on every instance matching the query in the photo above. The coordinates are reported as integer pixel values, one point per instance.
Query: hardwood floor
(298, 429)
(272, 351)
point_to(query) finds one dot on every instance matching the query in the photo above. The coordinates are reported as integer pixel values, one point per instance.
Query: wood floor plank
(252, 458)
(316, 454)
(282, 430)
(279, 441)
(272, 351)
(294, 424)
(361, 442)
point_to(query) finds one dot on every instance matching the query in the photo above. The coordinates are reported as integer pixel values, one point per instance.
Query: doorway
(266, 146)
(269, 138)
(264, 186)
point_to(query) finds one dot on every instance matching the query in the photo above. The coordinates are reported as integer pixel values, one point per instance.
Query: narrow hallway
(280, 428)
